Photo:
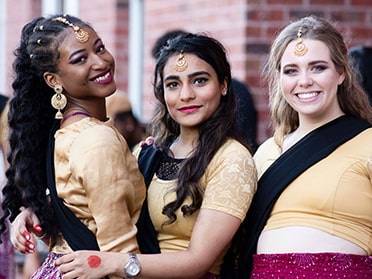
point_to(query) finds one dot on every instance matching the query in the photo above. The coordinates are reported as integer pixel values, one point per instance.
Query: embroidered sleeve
(230, 180)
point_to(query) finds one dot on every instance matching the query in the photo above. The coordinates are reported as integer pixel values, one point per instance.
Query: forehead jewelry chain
(81, 35)
(300, 48)
(181, 63)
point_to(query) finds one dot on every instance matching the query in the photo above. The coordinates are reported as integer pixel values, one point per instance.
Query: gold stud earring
(59, 101)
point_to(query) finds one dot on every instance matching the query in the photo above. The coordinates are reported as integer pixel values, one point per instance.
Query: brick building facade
(245, 27)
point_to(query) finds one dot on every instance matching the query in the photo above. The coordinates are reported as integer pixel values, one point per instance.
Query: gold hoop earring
(59, 101)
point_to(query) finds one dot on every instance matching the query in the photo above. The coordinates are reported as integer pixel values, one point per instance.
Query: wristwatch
(133, 267)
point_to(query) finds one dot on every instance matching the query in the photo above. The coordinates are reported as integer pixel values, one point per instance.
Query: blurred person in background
(362, 59)
(119, 109)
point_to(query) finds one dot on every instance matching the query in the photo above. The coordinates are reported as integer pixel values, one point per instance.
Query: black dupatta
(148, 162)
(77, 235)
(314, 147)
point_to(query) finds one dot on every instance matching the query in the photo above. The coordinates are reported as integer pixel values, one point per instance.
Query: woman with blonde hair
(311, 216)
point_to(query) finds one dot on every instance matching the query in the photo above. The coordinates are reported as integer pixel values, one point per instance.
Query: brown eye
(171, 84)
(200, 80)
(101, 49)
(78, 60)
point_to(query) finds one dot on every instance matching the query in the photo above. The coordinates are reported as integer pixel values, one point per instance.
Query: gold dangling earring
(59, 101)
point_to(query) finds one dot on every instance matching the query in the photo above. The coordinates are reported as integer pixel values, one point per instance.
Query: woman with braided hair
(62, 143)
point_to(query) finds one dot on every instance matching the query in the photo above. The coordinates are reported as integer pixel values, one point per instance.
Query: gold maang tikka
(300, 48)
(81, 35)
(181, 63)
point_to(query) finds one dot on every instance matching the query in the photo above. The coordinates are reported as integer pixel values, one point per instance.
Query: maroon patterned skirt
(47, 270)
(306, 265)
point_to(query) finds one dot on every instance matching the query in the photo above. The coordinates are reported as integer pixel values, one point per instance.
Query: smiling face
(192, 95)
(86, 70)
(309, 82)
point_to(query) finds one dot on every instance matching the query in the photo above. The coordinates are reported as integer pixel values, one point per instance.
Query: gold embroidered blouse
(98, 178)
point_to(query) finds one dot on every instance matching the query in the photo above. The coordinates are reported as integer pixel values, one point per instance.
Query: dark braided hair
(214, 132)
(30, 118)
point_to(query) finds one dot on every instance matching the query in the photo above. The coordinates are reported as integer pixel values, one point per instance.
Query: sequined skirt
(47, 270)
(318, 265)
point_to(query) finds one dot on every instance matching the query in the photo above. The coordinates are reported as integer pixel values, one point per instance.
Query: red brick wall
(17, 16)
(245, 27)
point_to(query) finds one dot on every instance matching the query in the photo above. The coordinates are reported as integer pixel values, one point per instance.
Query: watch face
(132, 269)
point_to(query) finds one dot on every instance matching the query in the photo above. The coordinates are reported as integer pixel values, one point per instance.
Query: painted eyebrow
(189, 75)
(82, 50)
